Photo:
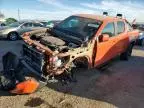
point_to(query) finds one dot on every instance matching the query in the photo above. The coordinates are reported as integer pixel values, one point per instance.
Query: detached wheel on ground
(127, 53)
(13, 36)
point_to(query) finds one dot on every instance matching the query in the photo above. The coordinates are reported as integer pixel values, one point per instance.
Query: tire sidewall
(127, 53)
(13, 36)
(142, 42)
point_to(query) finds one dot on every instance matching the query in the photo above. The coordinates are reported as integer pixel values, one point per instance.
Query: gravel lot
(120, 85)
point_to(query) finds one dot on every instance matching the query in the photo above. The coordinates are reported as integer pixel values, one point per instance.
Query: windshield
(50, 24)
(16, 24)
(79, 27)
(44, 23)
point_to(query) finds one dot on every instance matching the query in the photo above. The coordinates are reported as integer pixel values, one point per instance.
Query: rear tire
(13, 36)
(127, 53)
(141, 42)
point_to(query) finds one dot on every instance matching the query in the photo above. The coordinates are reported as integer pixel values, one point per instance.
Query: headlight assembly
(56, 61)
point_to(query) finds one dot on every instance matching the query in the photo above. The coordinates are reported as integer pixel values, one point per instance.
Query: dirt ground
(120, 85)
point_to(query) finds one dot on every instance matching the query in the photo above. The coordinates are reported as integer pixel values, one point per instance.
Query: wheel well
(81, 62)
(12, 32)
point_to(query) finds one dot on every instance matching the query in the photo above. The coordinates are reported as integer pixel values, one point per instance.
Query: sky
(60, 9)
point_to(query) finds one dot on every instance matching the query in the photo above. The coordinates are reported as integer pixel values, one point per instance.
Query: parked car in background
(15, 30)
(52, 23)
(2, 25)
(140, 40)
(44, 23)
(135, 26)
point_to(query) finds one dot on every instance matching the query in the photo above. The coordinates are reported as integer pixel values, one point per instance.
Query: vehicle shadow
(105, 84)
(5, 39)
(109, 85)
(5, 93)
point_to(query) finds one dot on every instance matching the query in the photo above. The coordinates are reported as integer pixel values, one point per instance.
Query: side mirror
(105, 37)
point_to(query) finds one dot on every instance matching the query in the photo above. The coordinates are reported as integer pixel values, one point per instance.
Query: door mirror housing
(105, 37)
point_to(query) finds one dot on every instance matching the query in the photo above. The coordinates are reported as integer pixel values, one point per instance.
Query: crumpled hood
(53, 40)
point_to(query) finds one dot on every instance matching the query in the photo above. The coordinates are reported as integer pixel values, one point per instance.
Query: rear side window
(120, 27)
(109, 29)
(27, 25)
(37, 25)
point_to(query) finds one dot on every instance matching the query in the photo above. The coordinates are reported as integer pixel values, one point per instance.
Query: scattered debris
(11, 73)
(13, 79)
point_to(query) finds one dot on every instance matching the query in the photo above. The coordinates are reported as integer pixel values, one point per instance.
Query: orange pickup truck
(80, 40)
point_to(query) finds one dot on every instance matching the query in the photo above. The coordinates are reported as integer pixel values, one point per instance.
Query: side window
(120, 27)
(75, 22)
(27, 25)
(109, 29)
(37, 25)
(3, 24)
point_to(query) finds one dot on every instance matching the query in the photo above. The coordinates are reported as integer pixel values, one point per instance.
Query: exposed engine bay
(51, 54)
(53, 42)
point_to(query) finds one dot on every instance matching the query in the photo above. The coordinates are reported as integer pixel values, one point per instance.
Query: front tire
(13, 36)
(127, 53)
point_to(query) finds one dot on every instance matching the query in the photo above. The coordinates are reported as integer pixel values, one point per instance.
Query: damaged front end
(49, 55)
(57, 50)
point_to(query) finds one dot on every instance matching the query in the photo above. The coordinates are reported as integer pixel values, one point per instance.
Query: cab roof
(99, 17)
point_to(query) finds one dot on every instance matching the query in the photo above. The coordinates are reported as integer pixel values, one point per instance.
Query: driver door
(106, 50)
(25, 28)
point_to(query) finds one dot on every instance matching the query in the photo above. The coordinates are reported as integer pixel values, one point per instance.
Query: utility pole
(1, 15)
(18, 14)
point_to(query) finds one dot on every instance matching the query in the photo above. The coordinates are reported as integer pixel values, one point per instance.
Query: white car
(140, 40)
(15, 30)
(2, 25)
